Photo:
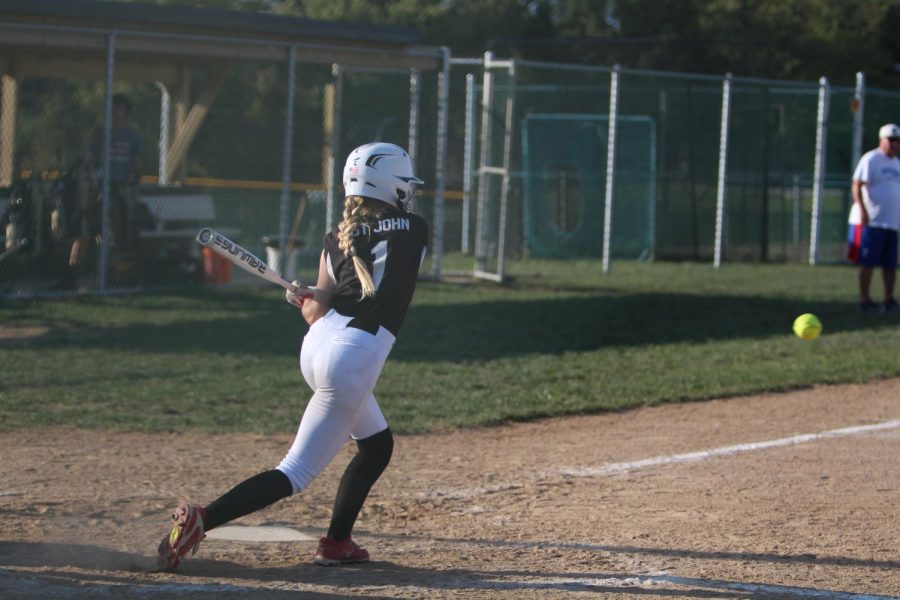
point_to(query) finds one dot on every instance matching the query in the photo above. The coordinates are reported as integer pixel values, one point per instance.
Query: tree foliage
(779, 39)
(775, 39)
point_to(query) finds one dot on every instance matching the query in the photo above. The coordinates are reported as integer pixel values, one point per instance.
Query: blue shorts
(878, 248)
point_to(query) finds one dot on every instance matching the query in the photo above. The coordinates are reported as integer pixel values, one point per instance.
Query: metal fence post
(507, 167)
(441, 161)
(164, 108)
(287, 154)
(468, 148)
(819, 170)
(610, 165)
(102, 262)
(338, 79)
(9, 92)
(414, 97)
(795, 197)
(487, 100)
(723, 170)
(858, 106)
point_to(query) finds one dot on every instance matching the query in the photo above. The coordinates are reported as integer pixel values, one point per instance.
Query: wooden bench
(176, 216)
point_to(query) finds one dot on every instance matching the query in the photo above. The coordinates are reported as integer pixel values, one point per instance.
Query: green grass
(561, 338)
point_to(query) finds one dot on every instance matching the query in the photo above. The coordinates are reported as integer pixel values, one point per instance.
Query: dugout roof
(68, 38)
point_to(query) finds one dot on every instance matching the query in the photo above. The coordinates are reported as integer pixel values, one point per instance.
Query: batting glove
(297, 296)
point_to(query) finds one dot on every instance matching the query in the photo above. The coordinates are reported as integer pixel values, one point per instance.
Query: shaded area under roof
(66, 38)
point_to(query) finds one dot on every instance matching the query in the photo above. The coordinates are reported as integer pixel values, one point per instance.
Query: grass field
(561, 338)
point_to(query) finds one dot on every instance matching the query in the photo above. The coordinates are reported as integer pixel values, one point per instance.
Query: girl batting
(367, 274)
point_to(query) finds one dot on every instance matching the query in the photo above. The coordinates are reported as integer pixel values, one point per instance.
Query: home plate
(258, 533)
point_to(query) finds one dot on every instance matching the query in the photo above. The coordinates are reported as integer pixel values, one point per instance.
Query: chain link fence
(107, 174)
(663, 184)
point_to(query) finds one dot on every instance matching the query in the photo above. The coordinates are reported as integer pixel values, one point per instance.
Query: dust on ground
(530, 510)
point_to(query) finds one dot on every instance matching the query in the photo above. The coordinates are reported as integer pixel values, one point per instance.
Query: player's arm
(314, 308)
(856, 192)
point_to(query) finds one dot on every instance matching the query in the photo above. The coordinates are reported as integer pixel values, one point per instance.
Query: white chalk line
(656, 461)
(624, 467)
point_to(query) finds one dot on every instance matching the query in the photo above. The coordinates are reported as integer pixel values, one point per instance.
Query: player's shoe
(868, 307)
(890, 306)
(331, 552)
(186, 535)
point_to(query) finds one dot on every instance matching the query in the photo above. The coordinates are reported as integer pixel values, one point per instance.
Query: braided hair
(356, 213)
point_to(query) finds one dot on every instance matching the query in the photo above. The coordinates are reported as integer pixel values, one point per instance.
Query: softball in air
(807, 326)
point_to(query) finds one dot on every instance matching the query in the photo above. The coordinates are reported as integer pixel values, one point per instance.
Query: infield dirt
(518, 511)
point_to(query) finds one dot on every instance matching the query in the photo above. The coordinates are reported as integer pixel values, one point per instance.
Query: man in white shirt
(876, 197)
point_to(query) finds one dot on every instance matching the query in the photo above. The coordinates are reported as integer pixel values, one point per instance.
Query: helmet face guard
(381, 171)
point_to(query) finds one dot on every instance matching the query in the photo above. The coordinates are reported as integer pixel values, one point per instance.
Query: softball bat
(240, 256)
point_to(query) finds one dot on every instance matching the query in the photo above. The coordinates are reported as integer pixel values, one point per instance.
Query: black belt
(364, 325)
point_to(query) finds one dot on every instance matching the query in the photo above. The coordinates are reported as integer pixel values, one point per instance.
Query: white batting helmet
(380, 170)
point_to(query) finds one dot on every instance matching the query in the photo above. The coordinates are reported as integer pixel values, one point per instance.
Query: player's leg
(324, 428)
(889, 270)
(865, 284)
(342, 366)
(870, 249)
(375, 445)
(191, 521)
(247, 497)
(890, 277)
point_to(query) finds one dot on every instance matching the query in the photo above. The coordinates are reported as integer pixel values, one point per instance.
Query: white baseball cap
(889, 131)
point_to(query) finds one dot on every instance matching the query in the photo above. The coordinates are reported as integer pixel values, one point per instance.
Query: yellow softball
(807, 326)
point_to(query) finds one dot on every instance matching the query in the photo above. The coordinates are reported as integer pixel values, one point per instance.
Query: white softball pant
(341, 365)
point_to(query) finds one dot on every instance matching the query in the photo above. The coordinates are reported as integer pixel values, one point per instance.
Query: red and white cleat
(186, 535)
(331, 552)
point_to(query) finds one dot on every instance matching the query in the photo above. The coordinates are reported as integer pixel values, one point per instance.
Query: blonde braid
(354, 212)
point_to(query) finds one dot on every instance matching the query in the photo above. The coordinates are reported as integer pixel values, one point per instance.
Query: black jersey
(392, 244)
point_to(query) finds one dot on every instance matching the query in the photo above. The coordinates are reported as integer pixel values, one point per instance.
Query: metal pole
(412, 147)
(819, 171)
(610, 164)
(507, 165)
(859, 101)
(721, 195)
(163, 132)
(441, 162)
(487, 97)
(107, 147)
(796, 200)
(9, 91)
(337, 76)
(467, 160)
(287, 153)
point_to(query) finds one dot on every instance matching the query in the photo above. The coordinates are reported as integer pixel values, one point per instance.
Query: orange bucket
(216, 269)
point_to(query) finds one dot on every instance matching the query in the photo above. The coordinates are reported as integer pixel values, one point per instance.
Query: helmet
(381, 171)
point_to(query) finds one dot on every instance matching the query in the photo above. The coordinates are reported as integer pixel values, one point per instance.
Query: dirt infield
(722, 499)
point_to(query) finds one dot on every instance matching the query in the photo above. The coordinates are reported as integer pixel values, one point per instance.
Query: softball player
(367, 275)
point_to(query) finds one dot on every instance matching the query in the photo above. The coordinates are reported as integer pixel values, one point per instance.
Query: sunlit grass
(560, 338)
